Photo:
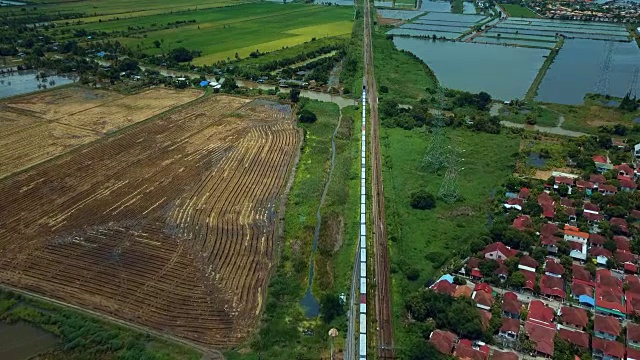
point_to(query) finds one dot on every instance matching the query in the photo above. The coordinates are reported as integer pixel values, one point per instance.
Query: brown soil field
(170, 224)
(37, 127)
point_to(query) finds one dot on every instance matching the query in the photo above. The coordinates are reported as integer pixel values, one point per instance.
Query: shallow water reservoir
(23, 82)
(578, 68)
(22, 341)
(478, 67)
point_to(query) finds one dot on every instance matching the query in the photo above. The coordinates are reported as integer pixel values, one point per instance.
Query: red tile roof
(510, 295)
(592, 217)
(574, 231)
(482, 298)
(500, 247)
(597, 179)
(597, 251)
(524, 193)
(509, 324)
(633, 303)
(577, 338)
(591, 207)
(581, 273)
(627, 184)
(522, 222)
(515, 201)
(540, 313)
(512, 306)
(606, 324)
(473, 262)
(625, 256)
(444, 287)
(574, 316)
(463, 290)
(484, 287)
(608, 347)
(553, 267)
(630, 268)
(549, 229)
(608, 188)
(465, 351)
(597, 239)
(622, 242)
(443, 341)
(549, 240)
(624, 168)
(485, 318)
(578, 289)
(542, 336)
(476, 273)
(635, 214)
(548, 211)
(621, 223)
(530, 279)
(633, 332)
(545, 199)
(552, 286)
(633, 354)
(564, 180)
(585, 184)
(528, 261)
(504, 355)
(600, 159)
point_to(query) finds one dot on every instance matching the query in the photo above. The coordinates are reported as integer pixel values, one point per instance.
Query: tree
(487, 268)
(590, 267)
(331, 307)
(128, 64)
(563, 190)
(628, 104)
(483, 100)
(180, 54)
(157, 43)
(294, 95)
(517, 279)
(229, 85)
(307, 116)
(423, 200)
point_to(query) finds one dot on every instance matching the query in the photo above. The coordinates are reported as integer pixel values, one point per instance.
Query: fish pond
(23, 82)
(581, 67)
(23, 341)
(478, 67)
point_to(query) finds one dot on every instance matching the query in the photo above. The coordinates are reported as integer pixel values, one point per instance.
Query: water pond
(23, 341)
(436, 6)
(478, 67)
(23, 82)
(577, 69)
(399, 14)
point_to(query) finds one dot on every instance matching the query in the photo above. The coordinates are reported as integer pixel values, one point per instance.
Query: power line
(602, 84)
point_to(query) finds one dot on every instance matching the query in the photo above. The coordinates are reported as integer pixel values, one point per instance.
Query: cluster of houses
(590, 11)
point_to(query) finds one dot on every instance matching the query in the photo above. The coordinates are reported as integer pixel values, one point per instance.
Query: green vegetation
(280, 334)
(457, 6)
(405, 77)
(516, 10)
(532, 114)
(427, 240)
(352, 66)
(405, 4)
(86, 337)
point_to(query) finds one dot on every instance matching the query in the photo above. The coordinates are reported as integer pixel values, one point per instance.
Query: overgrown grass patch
(516, 10)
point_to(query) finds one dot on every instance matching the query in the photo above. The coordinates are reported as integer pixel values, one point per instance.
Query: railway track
(385, 347)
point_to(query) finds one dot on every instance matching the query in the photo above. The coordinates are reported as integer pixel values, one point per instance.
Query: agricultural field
(40, 126)
(220, 33)
(170, 224)
(519, 11)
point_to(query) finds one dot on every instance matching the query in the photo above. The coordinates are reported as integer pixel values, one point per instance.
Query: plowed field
(37, 127)
(169, 224)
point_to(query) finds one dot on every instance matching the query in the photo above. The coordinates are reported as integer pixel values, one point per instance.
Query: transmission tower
(634, 82)
(602, 85)
(449, 188)
(435, 158)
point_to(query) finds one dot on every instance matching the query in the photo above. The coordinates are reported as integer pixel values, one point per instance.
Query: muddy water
(315, 95)
(22, 341)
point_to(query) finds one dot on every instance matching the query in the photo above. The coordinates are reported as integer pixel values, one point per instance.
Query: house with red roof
(553, 268)
(528, 263)
(563, 180)
(522, 222)
(606, 189)
(443, 341)
(514, 203)
(627, 184)
(550, 229)
(586, 186)
(574, 337)
(607, 349)
(622, 242)
(633, 354)
(574, 317)
(624, 170)
(468, 350)
(601, 255)
(635, 214)
(597, 240)
(606, 327)
(620, 224)
(463, 291)
(511, 306)
(633, 335)
(579, 238)
(444, 287)
(582, 275)
(540, 313)
(484, 287)
(483, 300)
(542, 336)
(597, 179)
(485, 318)
(625, 256)
(609, 295)
(552, 287)
(630, 268)
(524, 194)
(547, 204)
(583, 293)
(510, 328)
(602, 163)
(530, 279)
(498, 251)
(633, 303)
(504, 355)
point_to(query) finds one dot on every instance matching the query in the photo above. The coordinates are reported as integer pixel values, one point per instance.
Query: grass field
(592, 114)
(519, 11)
(542, 115)
(222, 32)
(405, 4)
(426, 239)
(404, 75)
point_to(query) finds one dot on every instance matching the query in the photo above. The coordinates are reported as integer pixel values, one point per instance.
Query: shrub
(423, 200)
(307, 116)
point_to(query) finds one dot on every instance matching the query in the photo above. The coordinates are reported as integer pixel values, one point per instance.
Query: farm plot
(37, 127)
(170, 224)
